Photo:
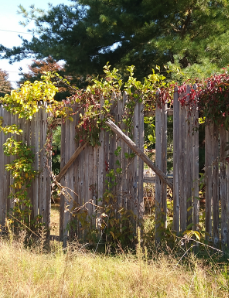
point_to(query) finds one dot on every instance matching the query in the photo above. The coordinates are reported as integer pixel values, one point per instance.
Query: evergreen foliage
(86, 34)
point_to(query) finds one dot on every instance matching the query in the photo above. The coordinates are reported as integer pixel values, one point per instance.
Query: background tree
(40, 67)
(5, 86)
(86, 34)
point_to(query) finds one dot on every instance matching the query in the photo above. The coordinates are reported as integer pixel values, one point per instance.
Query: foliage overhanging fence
(90, 170)
(85, 181)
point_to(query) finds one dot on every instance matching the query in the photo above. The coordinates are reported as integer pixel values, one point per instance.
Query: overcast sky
(10, 29)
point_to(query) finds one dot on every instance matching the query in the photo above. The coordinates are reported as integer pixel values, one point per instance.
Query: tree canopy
(40, 67)
(5, 86)
(86, 34)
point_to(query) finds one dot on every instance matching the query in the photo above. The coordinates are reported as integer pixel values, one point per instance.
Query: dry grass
(26, 273)
(55, 219)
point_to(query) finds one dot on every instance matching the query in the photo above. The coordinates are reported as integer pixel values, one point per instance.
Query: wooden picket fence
(85, 180)
(90, 170)
(186, 199)
(34, 135)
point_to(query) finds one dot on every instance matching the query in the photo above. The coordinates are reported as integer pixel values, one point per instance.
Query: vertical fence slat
(215, 175)
(195, 169)
(95, 184)
(124, 161)
(223, 187)
(9, 159)
(182, 177)
(70, 176)
(135, 163)
(76, 180)
(176, 202)
(158, 189)
(2, 170)
(101, 161)
(164, 162)
(161, 162)
(188, 161)
(208, 179)
(90, 183)
(141, 163)
(44, 173)
(119, 188)
(227, 192)
(62, 181)
(35, 132)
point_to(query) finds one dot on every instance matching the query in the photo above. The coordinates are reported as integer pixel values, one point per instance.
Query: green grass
(77, 273)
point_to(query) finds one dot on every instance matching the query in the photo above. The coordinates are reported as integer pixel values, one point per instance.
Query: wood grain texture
(208, 179)
(139, 152)
(182, 157)
(215, 185)
(195, 177)
(223, 187)
(176, 200)
(158, 185)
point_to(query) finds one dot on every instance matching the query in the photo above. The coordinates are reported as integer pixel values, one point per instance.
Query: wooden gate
(88, 174)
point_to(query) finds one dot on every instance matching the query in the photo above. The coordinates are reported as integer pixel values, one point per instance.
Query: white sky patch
(9, 38)
(10, 29)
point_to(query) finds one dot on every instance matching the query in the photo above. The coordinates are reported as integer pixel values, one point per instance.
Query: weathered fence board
(182, 157)
(34, 135)
(85, 180)
(161, 163)
(223, 186)
(176, 199)
(91, 167)
(215, 192)
(227, 196)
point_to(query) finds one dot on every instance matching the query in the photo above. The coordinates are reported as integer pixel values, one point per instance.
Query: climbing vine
(22, 172)
(211, 95)
(23, 102)
(93, 105)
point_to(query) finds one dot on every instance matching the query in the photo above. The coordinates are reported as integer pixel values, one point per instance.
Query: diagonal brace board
(139, 152)
(130, 143)
(70, 162)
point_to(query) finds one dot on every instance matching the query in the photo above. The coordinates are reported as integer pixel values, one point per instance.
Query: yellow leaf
(197, 234)
(112, 234)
